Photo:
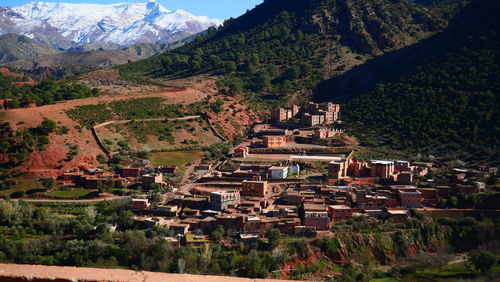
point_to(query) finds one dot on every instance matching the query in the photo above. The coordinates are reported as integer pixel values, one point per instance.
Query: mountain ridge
(15, 47)
(122, 24)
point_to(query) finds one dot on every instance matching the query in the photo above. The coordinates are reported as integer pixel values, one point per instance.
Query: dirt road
(145, 119)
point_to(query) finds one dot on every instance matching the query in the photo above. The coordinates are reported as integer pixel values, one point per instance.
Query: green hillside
(46, 92)
(282, 48)
(448, 104)
(417, 76)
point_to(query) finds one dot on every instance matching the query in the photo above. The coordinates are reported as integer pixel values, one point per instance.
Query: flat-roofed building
(221, 200)
(383, 169)
(278, 172)
(284, 114)
(405, 177)
(337, 169)
(131, 172)
(149, 179)
(396, 215)
(140, 204)
(255, 188)
(410, 199)
(340, 212)
(292, 197)
(179, 228)
(430, 196)
(281, 114)
(312, 119)
(316, 216)
(273, 141)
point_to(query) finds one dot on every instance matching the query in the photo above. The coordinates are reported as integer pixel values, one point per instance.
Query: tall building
(339, 212)
(337, 169)
(284, 114)
(255, 188)
(281, 114)
(312, 119)
(382, 169)
(221, 200)
(316, 216)
(312, 115)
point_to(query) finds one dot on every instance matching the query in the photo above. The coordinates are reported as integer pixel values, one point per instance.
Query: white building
(278, 172)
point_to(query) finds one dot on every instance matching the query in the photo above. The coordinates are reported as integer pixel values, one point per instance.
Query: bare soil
(52, 162)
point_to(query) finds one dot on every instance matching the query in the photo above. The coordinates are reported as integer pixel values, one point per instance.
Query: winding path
(121, 121)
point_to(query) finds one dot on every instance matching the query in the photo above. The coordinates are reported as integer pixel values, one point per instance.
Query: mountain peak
(120, 23)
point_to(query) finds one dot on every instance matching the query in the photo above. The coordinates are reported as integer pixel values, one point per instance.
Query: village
(282, 177)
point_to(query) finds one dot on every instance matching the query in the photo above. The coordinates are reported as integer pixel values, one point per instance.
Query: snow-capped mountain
(122, 24)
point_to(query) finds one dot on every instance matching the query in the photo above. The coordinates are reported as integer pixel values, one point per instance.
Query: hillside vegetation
(46, 92)
(83, 239)
(448, 100)
(416, 76)
(285, 47)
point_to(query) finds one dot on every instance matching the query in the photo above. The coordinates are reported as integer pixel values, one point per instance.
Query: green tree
(105, 186)
(292, 73)
(48, 182)
(262, 81)
(47, 126)
(216, 106)
(274, 237)
(482, 260)
(287, 87)
(231, 67)
(452, 202)
(218, 233)
(235, 85)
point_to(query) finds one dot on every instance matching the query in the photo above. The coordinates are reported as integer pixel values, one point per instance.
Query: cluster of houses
(396, 171)
(247, 199)
(92, 178)
(265, 198)
(286, 170)
(311, 115)
(302, 210)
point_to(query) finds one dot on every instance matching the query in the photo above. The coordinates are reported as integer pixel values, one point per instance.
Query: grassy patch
(70, 194)
(21, 185)
(177, 158)
(379, 153)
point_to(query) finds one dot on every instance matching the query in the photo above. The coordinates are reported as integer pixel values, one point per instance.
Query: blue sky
(221, 9)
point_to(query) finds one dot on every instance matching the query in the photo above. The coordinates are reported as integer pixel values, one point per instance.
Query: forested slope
(282, 48)
(46, 92)
(449, 100)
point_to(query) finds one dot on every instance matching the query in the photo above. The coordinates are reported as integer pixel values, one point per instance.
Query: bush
(17, 194)
(482, 260)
